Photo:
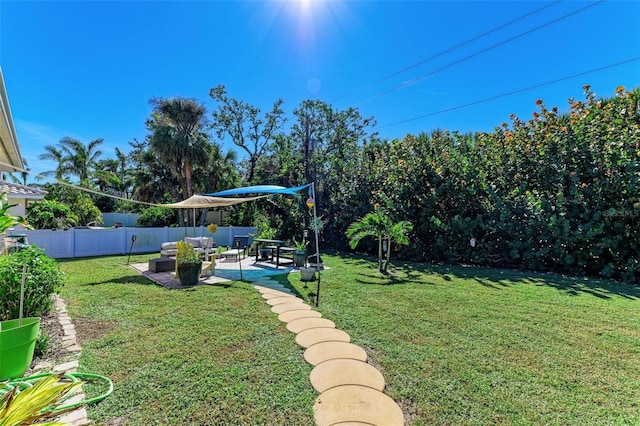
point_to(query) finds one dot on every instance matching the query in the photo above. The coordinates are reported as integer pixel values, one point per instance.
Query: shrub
(157, 217)
(50, 214)
(42, 279)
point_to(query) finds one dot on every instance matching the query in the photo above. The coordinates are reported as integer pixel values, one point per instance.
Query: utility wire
(535, 86)
(450, 49)
(473, 55)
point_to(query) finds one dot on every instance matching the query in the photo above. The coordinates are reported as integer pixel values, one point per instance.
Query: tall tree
(19, 177)
(330, 140)
(115, 177)
(155, 182)
(178, 135)
(247, 130)
(53, 153)
(74, 158)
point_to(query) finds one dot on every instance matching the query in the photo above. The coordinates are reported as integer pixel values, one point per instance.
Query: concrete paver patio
(226, 269)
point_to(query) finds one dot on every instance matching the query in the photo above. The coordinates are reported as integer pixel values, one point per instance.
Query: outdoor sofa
(200, 244)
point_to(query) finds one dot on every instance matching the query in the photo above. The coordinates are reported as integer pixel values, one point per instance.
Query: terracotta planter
(17, 343)
(189, 273)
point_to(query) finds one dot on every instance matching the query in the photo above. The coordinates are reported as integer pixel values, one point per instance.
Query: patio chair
(240, 246)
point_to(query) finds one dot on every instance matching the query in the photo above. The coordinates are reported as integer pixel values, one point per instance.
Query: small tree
(379, 225)
(51, 214)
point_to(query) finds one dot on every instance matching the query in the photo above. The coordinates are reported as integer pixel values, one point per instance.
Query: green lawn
(455, 345)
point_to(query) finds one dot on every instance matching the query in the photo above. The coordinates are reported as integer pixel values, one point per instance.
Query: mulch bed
(55, 351)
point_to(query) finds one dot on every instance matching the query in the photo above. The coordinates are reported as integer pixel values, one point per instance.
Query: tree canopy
(559, 191)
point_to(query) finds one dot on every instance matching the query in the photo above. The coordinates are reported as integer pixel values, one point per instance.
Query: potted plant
(300, 253)
(188, 263)
(18, 336)
(307, 273)
(265, 232)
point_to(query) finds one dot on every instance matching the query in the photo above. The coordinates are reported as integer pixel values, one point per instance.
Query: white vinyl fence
(83, 242)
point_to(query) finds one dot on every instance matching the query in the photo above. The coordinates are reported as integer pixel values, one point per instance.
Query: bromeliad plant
(302, 245)
(37, 403)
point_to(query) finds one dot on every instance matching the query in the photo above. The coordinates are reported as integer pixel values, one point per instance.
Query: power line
(473, 55)
(512, 92)
(450, 49)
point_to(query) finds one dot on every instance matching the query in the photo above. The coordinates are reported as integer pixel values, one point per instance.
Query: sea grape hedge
(559, 192)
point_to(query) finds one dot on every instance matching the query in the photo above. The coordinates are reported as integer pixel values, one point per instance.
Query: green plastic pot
(17, 343)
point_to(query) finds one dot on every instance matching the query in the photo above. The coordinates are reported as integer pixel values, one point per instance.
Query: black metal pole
(315, 231)
(237, 244)
(133, 240)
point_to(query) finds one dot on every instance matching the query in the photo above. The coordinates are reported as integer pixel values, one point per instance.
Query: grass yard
(456, 345)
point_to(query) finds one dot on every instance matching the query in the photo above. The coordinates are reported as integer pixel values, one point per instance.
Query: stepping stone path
(350, 389)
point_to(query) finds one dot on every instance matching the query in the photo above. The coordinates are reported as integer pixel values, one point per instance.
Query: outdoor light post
(305, 236)
(311, 203)
(237, 245)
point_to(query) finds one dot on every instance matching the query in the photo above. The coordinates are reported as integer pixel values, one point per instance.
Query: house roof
(15, 190)
(10, 157)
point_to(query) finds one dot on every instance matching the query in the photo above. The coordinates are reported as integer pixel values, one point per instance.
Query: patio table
(264, 242)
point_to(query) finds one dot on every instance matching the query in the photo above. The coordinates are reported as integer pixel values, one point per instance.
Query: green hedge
(559, 192)
(42, 279)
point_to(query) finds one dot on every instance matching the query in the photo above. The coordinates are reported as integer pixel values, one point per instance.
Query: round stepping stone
(316, 335)
(302, 324)
(271, 290)
(268, 285)
(276, 294)
(352, 424)
(339, 372)
(294, 315)
(287, 299)
(264, 290)
(353, 403)
(293, 306)
(324, 351)
(266, 281)
(265, 285)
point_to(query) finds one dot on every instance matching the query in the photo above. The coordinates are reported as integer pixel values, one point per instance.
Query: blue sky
(87, 69)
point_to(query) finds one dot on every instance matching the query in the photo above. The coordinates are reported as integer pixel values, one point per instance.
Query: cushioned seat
(200, 244)
(240, 246)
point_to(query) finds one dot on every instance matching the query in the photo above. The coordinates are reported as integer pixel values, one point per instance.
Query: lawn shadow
(498, 278)
(403, 272)
(126, 279)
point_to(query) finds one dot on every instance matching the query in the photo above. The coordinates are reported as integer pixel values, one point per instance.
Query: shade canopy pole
(315, 231)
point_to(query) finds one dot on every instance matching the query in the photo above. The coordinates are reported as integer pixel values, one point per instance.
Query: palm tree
(19, 177)
(179, 137)
(74, 158)
(53, 153)
(81, 159)
(114, 176)
(379, 225)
